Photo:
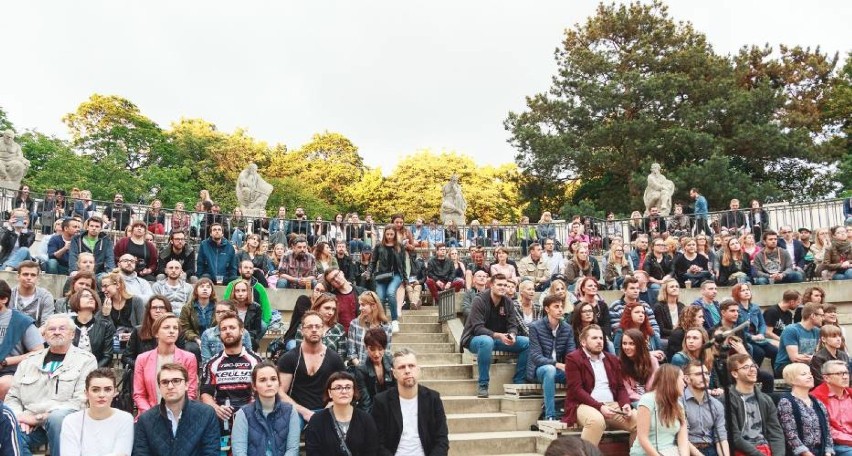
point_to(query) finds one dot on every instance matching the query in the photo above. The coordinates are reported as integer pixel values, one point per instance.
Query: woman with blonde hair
(618, 266)
(831, 347)
(660, 418)
(803, 418)
(121, 307)
(668, 308)
(581, 265)
(821, 244)
(181, 221)
(155, 218)
(372, 315)
(636, 225)
(559, 287)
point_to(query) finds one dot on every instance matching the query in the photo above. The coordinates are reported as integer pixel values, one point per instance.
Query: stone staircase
(477, 426)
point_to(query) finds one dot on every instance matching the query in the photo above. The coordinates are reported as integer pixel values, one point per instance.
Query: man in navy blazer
(550, 340)
(595, 397)
(410, 405)
(797, 251)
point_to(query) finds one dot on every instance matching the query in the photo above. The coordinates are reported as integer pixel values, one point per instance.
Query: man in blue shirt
(799, 340)
(700, 212)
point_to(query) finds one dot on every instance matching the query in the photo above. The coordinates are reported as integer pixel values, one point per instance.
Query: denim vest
(268, 431)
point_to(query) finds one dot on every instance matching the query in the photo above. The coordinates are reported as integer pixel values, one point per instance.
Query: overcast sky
(393, 76)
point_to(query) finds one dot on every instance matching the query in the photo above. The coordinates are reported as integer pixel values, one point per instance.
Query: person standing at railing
(118, 216)
(546, 229)
(700, 212)
(25, 202)
(495, 236)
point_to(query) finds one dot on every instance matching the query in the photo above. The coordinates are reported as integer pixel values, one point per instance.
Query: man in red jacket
(836, 395)
(595, 397)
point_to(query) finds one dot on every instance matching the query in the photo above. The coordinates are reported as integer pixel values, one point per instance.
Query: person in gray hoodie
(93, 240)
(755, 429)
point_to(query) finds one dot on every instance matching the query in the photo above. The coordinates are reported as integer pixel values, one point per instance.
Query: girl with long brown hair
(634, 317)
(372, 315)
(660, 418)
(637, 365)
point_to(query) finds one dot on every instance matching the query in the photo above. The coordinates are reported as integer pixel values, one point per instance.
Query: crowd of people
(192, 357)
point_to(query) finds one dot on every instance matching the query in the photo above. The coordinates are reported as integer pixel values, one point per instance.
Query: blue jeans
(284, 283)
(697, 279)
(237, 238)
(483, 347)
(842, 450)
(357, 246)
(846, 275)
(709, 451)
(47, 433)
(548, 375)
(53, 267)
(17, 257)
(789, 277)
(653, 292)
(387, 291)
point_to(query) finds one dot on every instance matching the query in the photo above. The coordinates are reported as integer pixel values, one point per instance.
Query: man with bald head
(50, 384)
(174, 287)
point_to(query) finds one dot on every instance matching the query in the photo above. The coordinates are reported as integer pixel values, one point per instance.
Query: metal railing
(446, 305)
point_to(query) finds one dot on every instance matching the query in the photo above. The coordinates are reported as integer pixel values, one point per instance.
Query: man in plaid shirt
(298, 268)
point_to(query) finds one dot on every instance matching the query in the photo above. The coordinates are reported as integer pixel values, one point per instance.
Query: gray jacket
(759, 262)
(38, 309)
(769, 420)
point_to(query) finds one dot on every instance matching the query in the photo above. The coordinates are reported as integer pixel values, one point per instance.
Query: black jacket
(480, 310)
(382, 261)
(441, 270)
(664, 318)
(431, 422)
(368, 382)
(321, 436)
(186, 258)
(100, 338)
(658, 269)
(7, 242)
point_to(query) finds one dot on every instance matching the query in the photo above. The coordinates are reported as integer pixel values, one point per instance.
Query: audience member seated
(452, 234)
(95, 242)
(58, 247)
(299, 387)
(803, 419)
(298, 267)
(145, 391)
(535, 267)
(551, 339)
(134, 284)
(109, 430)
(254, 279)
(773, 264)
(655, 224)
(838, 258)
(668, 309)
(734, 265)
(180, 220)
(493, 325)
(618, 266)
(145, 252)
(333, 335)
(799, 340)
(554, 258)
(375, 374)
(739, 340)
(176, 290)
(763, 435)
(477, 262)
(15, 242)
(831, 347)
(159, 431)
(690, 266)
(694, 349)
(707, 433)
(20, 338)
(637, 227)
(690, 317)
(637, 365)
(630, 296)
(559, 287)
(198, 315)
(679, 224)
(440, 273)
(658, 264)
(211, 342)
(734, 220)
(592, 407)
(634, 317)
(78, 282)
(587, 293)
(37, 400)
(836, 396)
(142, 337)
(267, 423)
(248, 311)
(372, 315)
(761, 346)
(582, 265)
(94, 333)
(503, 264)
(793, 246)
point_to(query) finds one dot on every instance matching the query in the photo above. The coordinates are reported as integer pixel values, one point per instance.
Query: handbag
(383, 277)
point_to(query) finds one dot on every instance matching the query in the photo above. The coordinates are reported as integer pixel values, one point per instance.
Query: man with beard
(301, 226)
(175, 288)
(304, 370)
(347, 296)
(178, 250)
(226, 378)
(134, 284)
(344, 261)
(216, 258)
(247, 273)
(298, 267)
(704, 413)
(142, 249)
(178, 426)
(410, 418)
(50, 384)
(118, 213)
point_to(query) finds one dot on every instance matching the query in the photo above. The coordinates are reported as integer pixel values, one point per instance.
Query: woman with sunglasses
(341, 429)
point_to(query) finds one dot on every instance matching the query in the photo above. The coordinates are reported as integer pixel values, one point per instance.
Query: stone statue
(252, 192)
(13, 165)
(453, 205)
(659, 192)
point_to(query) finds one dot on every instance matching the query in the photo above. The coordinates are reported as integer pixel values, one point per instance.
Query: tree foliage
(634, 87)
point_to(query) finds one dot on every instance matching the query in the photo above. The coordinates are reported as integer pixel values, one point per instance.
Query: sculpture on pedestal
(13, 165)
(659, 192)
(453, 205)
(252, 192)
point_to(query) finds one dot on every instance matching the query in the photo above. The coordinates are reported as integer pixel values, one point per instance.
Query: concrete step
(407, 338)
(424, 311)
(446, 371)
(426, 347)
(480, 422)
(488, 443)
(432, 327)
(428, 359)
(461, 387)
(418, 319)
(471, 404)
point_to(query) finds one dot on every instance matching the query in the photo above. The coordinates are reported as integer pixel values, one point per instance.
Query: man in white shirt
(410, 418)
(134, 284)
(177, 290)
(554, 259)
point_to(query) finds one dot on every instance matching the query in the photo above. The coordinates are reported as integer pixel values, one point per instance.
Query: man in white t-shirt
(410, 418)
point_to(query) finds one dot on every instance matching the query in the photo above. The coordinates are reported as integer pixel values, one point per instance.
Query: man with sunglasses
(836, 395)
(755, 427)
(704, 413)
(178, 425)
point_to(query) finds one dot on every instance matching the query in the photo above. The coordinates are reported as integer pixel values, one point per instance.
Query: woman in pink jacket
(146, 392)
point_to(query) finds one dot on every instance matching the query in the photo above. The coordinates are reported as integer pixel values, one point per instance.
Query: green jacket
(261, 298)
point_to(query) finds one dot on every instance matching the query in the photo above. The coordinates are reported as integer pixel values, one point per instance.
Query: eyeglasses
(127, 260)
(748, 367)
(819, 314)
(842, 374)
(341, 388)
(171, 381)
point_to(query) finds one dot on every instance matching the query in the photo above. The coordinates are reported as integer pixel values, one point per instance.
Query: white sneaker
(395, 326)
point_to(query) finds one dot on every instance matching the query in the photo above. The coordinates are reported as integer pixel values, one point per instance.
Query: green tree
(634, 87)
(5, 123)
(53, 164)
